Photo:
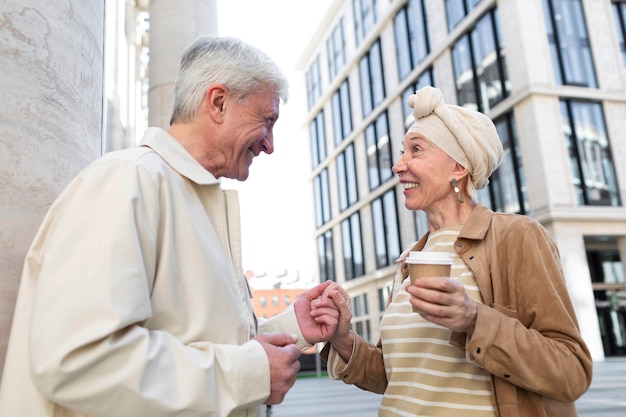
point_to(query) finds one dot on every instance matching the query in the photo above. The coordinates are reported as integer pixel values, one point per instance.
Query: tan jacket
(526, 333)
(133, 301)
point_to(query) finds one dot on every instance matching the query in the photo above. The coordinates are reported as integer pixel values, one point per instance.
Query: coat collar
(176, 156)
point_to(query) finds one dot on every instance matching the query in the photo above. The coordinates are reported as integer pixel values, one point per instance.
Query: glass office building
(551, 74)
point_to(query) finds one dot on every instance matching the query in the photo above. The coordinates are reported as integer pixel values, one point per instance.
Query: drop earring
(459, 196)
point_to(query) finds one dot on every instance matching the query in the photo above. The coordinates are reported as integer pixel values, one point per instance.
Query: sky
(277, 198)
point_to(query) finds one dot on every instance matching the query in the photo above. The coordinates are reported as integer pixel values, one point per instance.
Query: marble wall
(51, 62)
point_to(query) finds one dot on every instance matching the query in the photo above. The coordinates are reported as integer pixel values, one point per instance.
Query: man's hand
(283, 355)
(317, 312)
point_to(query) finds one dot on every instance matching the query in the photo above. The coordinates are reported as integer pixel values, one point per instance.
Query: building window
(360, 318)
(347, 178)
(352, 246)
(326, 256)
(287, 300)
(317, 133)
(411, 34)
(342, 119)
(424, 79)
(456, 10)
(386, 229)
(569, 43)
(372, 79)
(314, 83)
(322, 198)
(274, 301)
(507, 190)
(336, 49)
(619, 11)
(479, 65)
(378, 148)
(365, 17)
(592, 168)
(263, 301)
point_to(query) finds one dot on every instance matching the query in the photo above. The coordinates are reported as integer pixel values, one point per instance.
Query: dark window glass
(352, 246)
(593, 173)
(508, 191)
(456, 10)
(569, 43)
(619, 11)
(365, 17)
(386, 229)
(411, 35)
(342, 119)
(314, 83)
(479, 65)
(378, 148)
(336, 50)
(347, 178)
(322, 198)
(372, 79)
(317, 133)
(326, 257)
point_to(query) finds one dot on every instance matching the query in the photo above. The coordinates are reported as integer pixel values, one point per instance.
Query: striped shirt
(427, 376)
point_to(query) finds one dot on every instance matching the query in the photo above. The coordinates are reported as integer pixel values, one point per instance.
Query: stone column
(51, 55)
(173, 27)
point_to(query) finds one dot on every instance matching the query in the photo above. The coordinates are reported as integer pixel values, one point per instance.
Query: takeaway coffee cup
(428, 264)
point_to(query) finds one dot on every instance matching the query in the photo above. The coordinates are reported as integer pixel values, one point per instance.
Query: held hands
(443, 301)
(320, 310)
(282, 353)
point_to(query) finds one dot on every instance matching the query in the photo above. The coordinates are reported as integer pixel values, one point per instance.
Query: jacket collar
(477, 224)
(176, 156)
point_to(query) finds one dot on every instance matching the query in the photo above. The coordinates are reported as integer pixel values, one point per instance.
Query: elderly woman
(499, 336)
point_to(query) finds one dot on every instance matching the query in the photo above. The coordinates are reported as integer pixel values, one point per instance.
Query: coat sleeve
(365, 369)
(534, 343)
(94, 261)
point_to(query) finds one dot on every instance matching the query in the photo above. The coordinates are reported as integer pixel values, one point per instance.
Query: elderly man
(133, 300)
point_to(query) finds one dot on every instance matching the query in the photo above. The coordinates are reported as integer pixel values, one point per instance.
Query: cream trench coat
(133, 300)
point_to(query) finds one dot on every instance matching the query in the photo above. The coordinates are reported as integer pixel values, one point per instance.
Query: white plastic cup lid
(427, 257)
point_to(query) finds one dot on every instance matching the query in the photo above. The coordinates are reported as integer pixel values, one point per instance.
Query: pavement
(319, 396)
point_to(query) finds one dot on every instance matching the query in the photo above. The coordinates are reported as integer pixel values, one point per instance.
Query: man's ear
(215, 101)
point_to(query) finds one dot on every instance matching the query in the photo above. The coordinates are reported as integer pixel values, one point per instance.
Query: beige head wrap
(467, 136)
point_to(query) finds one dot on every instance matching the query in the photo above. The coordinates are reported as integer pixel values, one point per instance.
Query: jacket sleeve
(533, 343)
(365, 369)
(94, 259)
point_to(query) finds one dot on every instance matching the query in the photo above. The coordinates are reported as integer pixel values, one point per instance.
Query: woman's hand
(443, 301)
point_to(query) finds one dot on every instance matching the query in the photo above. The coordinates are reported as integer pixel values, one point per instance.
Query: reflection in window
(619, 11)
(314, 83)
(569, 43)
(346, 178)
(336, 50)
(480, 66)
(378, 148)
(352, 246)
(326, 256)
(360, 321)
(322, 198)
(507, 190)
(342, 120)
(365, 16)
(386, 229)
(593, 174)
(456, 10)
(317, 134)
(411, 34)
(372, 79)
